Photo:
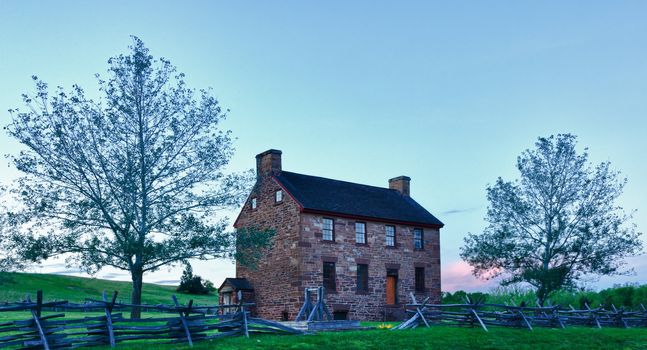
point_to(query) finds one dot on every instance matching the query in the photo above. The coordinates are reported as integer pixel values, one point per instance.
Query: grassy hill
(14, 287)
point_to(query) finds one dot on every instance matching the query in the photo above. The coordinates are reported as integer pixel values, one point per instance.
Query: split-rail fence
(169, 324)
(478, 314)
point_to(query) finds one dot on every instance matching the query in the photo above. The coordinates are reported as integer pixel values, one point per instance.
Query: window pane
(390, 236)
(362, 278)
(360, 232)
(327, 230)
(253, 203)
(279, 195)
(329, 276)
(418, 240)
(420, 279)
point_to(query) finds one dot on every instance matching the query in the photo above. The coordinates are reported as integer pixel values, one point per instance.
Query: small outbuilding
(228, 293)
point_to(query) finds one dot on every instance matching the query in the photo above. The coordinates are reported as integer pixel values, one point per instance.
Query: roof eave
(370, 218)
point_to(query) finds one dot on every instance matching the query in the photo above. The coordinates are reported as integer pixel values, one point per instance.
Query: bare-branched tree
(134, 181)
(558, 223)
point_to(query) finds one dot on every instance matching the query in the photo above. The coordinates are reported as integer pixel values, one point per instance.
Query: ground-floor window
(420, 279)
(362, 277)
(329, 276)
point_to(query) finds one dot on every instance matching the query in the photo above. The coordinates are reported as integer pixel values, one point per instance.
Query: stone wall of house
(275, 280)
(347, 254)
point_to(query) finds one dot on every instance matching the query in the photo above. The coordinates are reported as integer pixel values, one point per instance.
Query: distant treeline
(621, 296)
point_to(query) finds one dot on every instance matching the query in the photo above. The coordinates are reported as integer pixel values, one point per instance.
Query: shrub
(193, 284)
(627, 296)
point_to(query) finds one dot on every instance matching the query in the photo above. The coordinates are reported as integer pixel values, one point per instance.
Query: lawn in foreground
(440, 337)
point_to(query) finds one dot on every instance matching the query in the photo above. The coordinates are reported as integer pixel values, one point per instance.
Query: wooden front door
(391, 289)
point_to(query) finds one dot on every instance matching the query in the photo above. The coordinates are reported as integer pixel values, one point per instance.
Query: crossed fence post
(318, 311)
(108, 311)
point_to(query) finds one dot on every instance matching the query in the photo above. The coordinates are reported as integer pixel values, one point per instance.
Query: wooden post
(523, 317)
(36, 316)
(39, 302)
(304, 312)
(320, 296)
(188, 308)
(245, 325)
(420, 308)
(592, 314)
(617, 314)
(243, 313)
(479, 319)
(183, 320)
(321, 303)
(313, 314)
(108, 310)
(555, 315)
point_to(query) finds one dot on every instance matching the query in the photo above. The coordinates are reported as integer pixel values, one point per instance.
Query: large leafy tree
(557, 223)
(133, 180)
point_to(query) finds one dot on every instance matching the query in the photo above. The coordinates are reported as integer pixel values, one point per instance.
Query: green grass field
(436, 338)
(14, 286)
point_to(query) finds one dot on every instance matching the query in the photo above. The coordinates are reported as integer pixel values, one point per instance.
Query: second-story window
(390, 236)
(253, 203)
(418, 238)
(278, 196)
(328, 230)
(360, 232)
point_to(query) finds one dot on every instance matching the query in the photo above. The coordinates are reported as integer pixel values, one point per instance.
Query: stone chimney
(268, 163)
(400, 184)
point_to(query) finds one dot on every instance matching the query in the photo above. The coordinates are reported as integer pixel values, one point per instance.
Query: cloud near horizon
(458, 211)
(458, 275)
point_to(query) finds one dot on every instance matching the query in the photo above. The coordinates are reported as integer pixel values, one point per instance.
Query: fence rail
(190, 323)
(476, 314)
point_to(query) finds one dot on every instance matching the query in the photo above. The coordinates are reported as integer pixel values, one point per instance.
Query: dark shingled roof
(341, 197)
(237, 283)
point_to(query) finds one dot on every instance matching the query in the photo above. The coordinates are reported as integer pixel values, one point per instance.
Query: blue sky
(448, 93)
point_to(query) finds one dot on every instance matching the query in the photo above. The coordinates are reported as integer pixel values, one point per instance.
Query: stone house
(368, 246)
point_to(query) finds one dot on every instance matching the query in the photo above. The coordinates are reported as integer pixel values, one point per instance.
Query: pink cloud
(457, 275)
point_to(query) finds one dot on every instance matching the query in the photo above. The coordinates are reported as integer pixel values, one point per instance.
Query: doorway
(391, 286)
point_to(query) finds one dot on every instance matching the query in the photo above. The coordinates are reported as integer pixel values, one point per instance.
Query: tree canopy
(556, 224)
(136, 180)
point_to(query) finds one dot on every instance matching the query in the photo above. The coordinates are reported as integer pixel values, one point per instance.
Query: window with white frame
(278, 196)
(253, 203)
(418, 238)
(390, 236)
(328, 230)
(360, 232)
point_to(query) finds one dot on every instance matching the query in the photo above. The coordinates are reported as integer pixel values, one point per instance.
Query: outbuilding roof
(237, 284)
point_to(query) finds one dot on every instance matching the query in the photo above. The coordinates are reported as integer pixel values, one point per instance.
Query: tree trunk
(541, 295)
(136, 298)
